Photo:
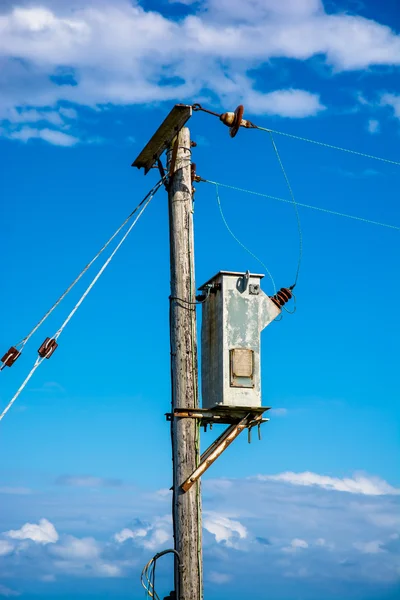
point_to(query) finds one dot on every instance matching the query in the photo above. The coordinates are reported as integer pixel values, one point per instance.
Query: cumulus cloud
(277, 529)
(75, 548)
(129, 534)
(225, 530)
(149, 536)
(82, 557)
(358, 484)
(42, 533)
(110, 53)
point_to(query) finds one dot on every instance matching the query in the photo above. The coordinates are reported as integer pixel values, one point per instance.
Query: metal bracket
(218, 447)
(238, 418)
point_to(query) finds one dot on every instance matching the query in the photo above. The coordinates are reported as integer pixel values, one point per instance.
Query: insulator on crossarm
(281, 297)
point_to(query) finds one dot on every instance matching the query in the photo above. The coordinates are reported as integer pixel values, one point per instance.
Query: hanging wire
(325, 145)
(40, 359)
(295, 208)
(318, 208)
(151, 193)
(236, 239)
(148, 574)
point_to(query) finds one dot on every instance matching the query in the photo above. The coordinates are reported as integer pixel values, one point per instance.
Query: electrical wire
(318, 208)
(331, 146)
(40, 359)
(148, 575)
(234, 236)
(295, 209)
(197, 107)
(24, 340)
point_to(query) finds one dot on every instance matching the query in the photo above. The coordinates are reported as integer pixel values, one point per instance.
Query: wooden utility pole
(185, 432)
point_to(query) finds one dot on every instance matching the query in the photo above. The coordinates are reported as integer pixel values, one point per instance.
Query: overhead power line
(235, 120)
(20, 346)
(144, 204)
(318, 208)
(331, 146)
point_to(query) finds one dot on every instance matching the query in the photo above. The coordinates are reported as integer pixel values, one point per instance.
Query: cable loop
(300, 257)
(239, 242)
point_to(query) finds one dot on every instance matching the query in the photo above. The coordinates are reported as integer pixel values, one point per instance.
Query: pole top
(163, 137)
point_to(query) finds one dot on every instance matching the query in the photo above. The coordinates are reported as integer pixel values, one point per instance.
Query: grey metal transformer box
(233, 315)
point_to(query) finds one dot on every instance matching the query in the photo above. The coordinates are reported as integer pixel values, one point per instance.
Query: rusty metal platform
(225, 415)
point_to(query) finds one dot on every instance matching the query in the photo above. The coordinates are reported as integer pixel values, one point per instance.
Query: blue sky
(311, 511)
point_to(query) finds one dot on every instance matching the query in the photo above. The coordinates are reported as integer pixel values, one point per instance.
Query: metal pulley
(234, 120)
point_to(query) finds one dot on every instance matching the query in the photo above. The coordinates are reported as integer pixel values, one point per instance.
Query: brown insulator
(10, 357)
(47, 348)
(234, 120)
(281, 297)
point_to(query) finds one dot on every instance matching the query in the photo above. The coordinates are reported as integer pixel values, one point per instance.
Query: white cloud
(108, 570)
(282, 530)
(68, 113)
(286, 103)
(5, 547)
(393, 101)
(77, 548)
(31, 115)
(224, 529)
(359, 484)
(58, 138)
(150, 536)
(82, 557)
(373, 547)
(42, 533)
(130, 534)
(373, 126)
(115, 56)
(295, 545)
